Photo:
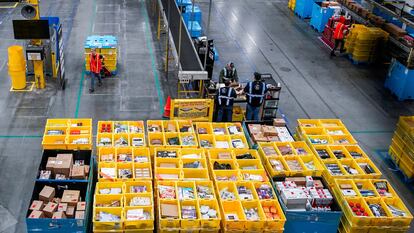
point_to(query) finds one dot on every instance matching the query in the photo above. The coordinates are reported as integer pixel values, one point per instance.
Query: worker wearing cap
(228, 73)
(95, 64)
(339, 34)
(255, 94)
(225, 100)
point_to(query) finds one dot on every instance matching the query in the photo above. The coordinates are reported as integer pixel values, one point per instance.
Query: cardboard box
(259, 137)
(81, 206)
(80, 214)
(300, 181)
(273, 139)
(86, 170)
(64, 163)
(59, 215)
(62, 207)
(49, 209)
(78, 172)
(71, 197)
(50, 165)
(269, 131)
(36, 205)
(47, 194)
(255, 128)
(36, 214)
(70, 211)
(394, 30)
(279, 122)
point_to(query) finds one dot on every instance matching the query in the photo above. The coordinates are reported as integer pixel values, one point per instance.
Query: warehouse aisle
(265, 36)
(135, 93)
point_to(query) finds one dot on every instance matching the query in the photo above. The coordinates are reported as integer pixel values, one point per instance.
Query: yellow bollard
(17, 67)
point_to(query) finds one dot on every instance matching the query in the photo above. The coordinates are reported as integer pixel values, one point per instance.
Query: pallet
(397, 169)
(301, 17)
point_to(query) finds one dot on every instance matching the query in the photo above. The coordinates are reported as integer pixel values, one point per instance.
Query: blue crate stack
(400, 81)
(320, 16)
(188, 15)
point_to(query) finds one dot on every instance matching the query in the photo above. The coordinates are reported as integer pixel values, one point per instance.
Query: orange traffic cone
(167, 108)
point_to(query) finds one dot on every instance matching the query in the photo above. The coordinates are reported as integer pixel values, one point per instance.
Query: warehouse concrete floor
(260, 35)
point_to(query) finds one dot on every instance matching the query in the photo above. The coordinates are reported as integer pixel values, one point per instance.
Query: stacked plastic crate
(247, 200)
(363, 43)
(342, 158)
(371, 205)
(107, 46)
(68, 134)
(120, 134)
(402, 146)
(221, 135)
(123, 197)
(185, 195)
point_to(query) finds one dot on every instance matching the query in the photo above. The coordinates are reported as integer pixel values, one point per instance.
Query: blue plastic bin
(194, 29)
(320, 16)
(183, 2)
(400, 81)
(84, 186)
(310, 221)
(303, 8)
(188, 15)
(105, 42)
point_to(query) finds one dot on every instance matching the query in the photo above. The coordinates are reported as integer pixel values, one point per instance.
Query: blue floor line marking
(154, 70)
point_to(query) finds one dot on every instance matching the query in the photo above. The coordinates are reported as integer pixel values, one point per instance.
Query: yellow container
(301, 148)
(105, 126)
(222, 141)
(79, 142)
(84, 130)
(87, 122)
(17, 61)
(130, 196)
(354, 219)
(205, 184)
(156, 136)
(400, 221)
(363, 186)
(105, 186)
(108, 51)
(282, 167)
(124, 152)
(285, 148)
(252, 152)
(167, 173)
(188, 140)
(295, 170)
(169, 137)
(354, 171)
(348, 182)
(104, 136)
(192, 153)
(391, 191)
(187, 223)
(270, 148)
(154, 126)
(343, 139)
(170, 126)
(185, 126)
(223, 186)
(254, 175)
(376, 172)
(125, 166)
(320, 150)
(238, 114)
(146, 224)
(99, 225)
(258, 224)
(245, 185)
(211, 223)
(238, 138)
(168, 222)
(135, 137)
(312, 165)
(233, 217)
(319, 139)
(203, 127)
(136, 127)
(309, 123)
(108, 201)
(121, 139)
(215, 153)
(239, 127)
(313, 131)
(106, 154)
(273, 225)
(186, 184)
(104, 169)
(219, 129)
(250, 164)
(54, 142)
(50, 128)
(380, 220)
(110, 62)
(57, 122)
(195, 174)
(206, 141)
(231, 162)
(258, 185)
(18, 79)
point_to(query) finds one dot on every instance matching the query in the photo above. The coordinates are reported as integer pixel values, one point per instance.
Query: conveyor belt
(188, 57)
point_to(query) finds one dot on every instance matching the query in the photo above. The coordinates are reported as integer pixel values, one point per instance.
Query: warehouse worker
(339, 34)
(255, 94)
(225, 100)
(95, 64)
(228, 73)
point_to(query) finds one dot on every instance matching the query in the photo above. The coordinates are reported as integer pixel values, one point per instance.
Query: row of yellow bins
(402, 146)
(17, 67)
(68, 134)
(363, 43)
(369, 203)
